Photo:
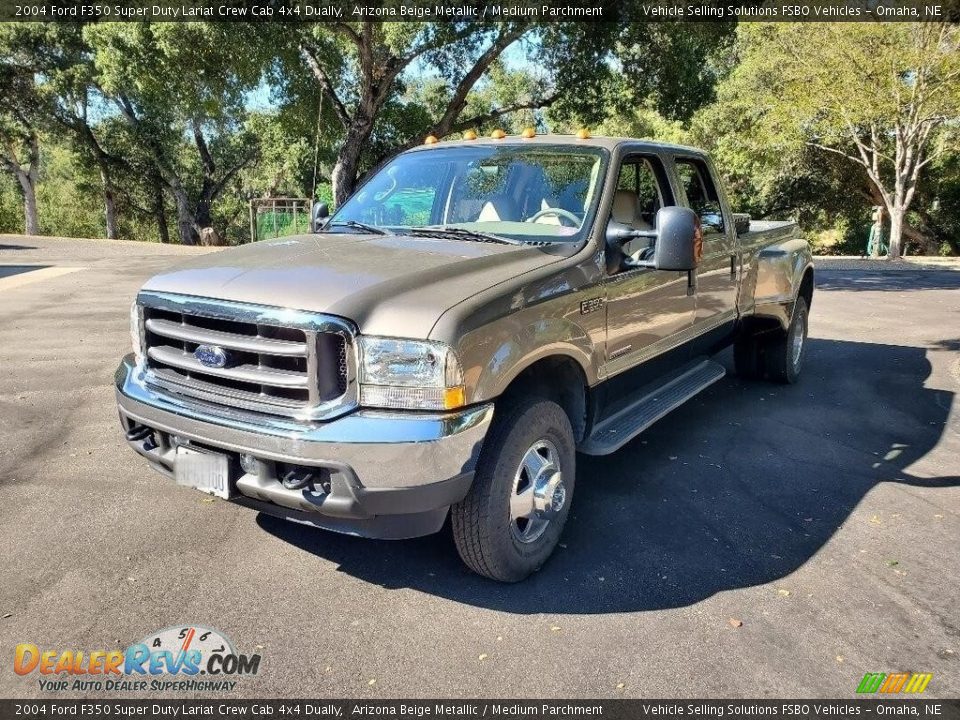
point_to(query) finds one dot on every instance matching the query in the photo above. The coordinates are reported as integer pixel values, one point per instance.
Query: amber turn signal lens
(498, 134)
(583, 134)
(454, 397)
(469, 135)
(528, 133)
(431, 140)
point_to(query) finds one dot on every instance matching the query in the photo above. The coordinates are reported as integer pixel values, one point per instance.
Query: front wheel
(512, 518)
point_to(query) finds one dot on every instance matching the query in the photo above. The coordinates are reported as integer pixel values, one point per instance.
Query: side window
(701, 193)
(642, 189)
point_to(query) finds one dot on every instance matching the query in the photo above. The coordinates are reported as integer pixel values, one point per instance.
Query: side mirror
(318, 216)
(617, 235)
(679, 239)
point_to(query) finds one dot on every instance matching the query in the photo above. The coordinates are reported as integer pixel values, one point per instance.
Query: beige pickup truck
(444, 344)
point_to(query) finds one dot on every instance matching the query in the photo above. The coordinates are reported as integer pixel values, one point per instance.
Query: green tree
(171, 81)
(360, 69)
(20, 125)
(63, 98)
(884, 96)
(365, 69)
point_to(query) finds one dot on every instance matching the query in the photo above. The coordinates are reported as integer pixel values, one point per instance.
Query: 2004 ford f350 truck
(475, 315)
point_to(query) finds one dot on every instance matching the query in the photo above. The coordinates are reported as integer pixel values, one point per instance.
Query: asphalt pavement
(761, 541)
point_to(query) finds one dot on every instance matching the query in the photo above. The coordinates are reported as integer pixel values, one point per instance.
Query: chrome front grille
(276, 361)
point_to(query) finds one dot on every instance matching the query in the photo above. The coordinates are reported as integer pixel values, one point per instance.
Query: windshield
(542, 193)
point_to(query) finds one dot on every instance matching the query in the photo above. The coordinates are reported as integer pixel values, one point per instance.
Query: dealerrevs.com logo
(186, 658)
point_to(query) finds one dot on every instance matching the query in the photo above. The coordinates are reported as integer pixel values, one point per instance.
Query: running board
(619, 429)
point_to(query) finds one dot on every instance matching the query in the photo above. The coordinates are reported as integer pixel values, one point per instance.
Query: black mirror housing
(618, 234)
(679, 239)
(318, 216)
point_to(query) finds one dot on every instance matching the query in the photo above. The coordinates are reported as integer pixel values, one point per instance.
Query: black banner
(474, 10)
(467, 709)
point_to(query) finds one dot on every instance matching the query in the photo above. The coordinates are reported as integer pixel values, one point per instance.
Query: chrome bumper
(406, 466)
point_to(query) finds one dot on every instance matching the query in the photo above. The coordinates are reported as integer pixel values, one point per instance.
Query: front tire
(513, 516)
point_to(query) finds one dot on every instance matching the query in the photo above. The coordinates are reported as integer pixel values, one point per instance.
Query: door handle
(733, 267)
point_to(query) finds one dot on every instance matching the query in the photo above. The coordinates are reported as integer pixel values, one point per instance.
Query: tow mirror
(678, 242)
(619, 233)
(318, 216)
(679, 239)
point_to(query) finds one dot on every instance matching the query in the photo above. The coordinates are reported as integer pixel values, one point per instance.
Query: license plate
(205, 471)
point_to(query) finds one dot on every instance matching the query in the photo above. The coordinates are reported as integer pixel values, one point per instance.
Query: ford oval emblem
(211, 356)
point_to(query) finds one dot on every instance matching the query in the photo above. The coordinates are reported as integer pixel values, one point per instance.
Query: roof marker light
(498, 134)
(431, 140)
(528, 133)
(583, 134)
(470, 135)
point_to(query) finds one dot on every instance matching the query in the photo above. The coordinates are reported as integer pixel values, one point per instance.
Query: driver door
(649, 312)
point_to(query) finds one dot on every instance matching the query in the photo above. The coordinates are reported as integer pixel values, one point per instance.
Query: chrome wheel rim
(538, 493)
(796, 349)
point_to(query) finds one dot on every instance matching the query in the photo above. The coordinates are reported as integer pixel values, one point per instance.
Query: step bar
(616, 431)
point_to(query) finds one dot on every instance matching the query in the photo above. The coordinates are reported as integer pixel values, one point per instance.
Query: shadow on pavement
(11, 270)
(898, 281)
(740, 487)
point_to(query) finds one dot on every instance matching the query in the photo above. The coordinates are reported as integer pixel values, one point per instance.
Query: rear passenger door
(719, 268)
(648, 311)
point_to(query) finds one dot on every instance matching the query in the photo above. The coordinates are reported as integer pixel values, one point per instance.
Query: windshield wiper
(356, 225)
(461, 234)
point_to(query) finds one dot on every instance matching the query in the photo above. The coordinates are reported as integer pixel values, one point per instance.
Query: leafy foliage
(177, 125)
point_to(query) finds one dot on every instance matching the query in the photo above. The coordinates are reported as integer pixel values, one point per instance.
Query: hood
(387, 284)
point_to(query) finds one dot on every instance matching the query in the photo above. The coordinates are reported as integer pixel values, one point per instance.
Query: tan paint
(504, 307)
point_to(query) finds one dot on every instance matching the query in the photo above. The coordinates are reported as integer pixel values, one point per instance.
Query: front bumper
(386, 474)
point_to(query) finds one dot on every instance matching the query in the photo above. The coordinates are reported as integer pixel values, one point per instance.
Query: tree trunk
(184, 220)
(28, 187)
(896, 233)
(160, 212)
(204, 220)
(201, 215)
(109, 204)
(344, 175)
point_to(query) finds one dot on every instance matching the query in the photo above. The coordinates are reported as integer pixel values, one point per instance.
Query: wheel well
(559, 378)
(806, 287)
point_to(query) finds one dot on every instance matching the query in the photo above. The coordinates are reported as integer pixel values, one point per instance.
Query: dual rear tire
(512, 518)
(777, 355)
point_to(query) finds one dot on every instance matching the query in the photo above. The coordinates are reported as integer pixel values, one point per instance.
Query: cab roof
(601, 141)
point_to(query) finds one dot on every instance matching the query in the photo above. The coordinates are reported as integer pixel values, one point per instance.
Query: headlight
(411, 374)
(136, 331)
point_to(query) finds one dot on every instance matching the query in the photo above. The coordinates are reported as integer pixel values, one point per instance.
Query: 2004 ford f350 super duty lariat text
(446, 342)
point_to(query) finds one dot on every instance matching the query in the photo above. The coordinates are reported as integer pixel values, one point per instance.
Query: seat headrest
(626, 206)
(498, 207)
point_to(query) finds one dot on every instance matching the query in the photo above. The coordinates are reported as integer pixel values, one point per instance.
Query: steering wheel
(559, 212)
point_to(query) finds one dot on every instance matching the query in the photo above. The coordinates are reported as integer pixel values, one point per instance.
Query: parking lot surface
(761, 541)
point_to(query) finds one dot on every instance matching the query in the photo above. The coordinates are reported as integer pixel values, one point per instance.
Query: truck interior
(526, 193)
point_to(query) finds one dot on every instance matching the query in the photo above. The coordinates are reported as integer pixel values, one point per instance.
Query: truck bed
(767, 232)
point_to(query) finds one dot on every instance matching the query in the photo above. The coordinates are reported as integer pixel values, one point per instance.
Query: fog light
(248, 463)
